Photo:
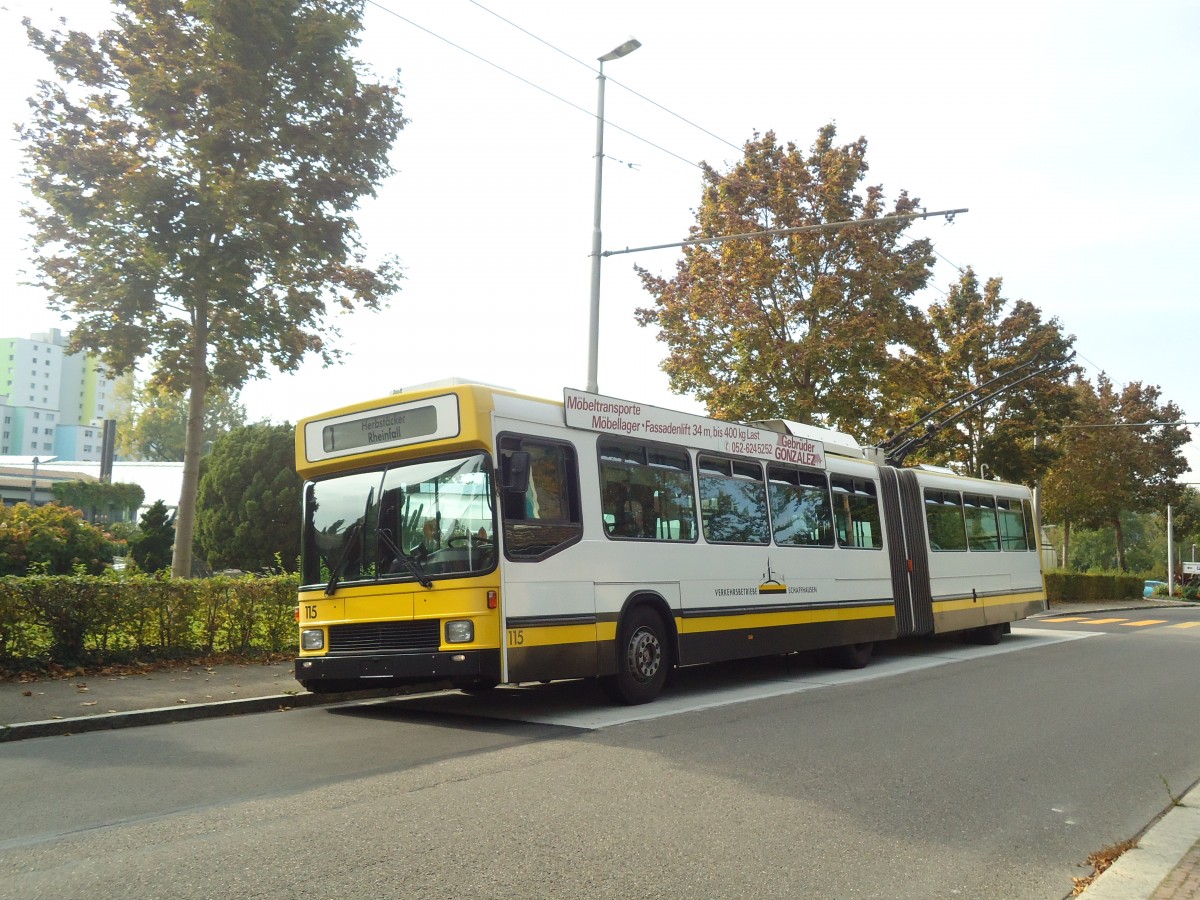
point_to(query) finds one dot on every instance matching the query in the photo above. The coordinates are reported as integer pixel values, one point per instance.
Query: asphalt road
(941, 770)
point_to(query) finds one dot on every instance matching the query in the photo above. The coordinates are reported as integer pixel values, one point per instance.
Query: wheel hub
(645, 654)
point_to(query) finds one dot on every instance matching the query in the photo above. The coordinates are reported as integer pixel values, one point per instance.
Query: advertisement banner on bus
(638, 420)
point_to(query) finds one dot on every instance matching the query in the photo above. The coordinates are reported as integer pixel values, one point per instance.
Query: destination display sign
(622, 417)
(433, 418)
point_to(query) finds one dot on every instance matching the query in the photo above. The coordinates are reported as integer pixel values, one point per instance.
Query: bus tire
(483, 686)
(850, 656)
(988, 635)
(332, 685)
(643, 659)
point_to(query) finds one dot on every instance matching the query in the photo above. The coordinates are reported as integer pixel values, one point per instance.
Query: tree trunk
(1066, 554)
(185, 517)
(1120, 544)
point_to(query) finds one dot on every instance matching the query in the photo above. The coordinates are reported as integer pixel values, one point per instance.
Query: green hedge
(1077, 587)
(80, 619)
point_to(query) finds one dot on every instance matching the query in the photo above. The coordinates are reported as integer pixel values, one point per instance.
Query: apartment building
(53, 403)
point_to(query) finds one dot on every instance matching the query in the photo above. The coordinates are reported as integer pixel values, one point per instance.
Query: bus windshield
(408, 522)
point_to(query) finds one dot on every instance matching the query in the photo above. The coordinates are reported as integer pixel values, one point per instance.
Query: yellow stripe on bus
(552, 634)
(944, 606)
(538, 636)
(786, 617)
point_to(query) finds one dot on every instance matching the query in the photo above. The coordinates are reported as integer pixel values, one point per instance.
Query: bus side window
(1012, 528)
(733, 500)
(1030, 527)
(982, 530)
(856, 512)
(544, 518)
(646, 492)
(801, 511)
(944, 518)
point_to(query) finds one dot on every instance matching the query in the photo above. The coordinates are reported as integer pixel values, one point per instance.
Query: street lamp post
(594, 312)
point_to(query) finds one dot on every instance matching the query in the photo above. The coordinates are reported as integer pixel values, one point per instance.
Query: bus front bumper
(401, 668)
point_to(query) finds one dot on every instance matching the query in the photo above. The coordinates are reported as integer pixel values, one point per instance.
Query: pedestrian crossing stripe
(1139, 624)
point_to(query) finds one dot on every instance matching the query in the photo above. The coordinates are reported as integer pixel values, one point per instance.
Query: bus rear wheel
(849, 656)
(643, 659)
(989, 635)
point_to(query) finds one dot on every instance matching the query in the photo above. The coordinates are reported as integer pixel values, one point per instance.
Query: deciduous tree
(195, 169)
(804, 326)
(975, 336)
(154, 427)
(1115, 458)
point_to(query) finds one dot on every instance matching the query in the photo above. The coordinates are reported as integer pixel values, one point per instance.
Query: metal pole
(33, 482)
(1170, 554)
(594, 308)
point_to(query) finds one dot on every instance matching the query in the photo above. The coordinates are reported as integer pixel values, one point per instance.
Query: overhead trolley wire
(592, 68)
(537, 86)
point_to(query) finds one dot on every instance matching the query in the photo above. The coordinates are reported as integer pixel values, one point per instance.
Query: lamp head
(624, 50)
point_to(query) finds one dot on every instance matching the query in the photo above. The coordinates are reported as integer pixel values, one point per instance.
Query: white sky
(1069, 129)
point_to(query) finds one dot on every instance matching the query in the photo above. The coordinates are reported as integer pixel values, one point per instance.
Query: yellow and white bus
(469, 535)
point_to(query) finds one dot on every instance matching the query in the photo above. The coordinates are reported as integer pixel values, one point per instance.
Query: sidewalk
(1164, 866)
(54, 706)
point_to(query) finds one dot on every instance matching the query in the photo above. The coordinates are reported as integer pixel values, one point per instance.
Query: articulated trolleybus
(471, 536)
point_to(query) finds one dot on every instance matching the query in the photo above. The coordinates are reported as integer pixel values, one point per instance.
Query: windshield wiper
(352, 537)
(409, 562)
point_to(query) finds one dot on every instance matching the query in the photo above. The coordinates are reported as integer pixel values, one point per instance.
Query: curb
(1160, 848)
(166, 715)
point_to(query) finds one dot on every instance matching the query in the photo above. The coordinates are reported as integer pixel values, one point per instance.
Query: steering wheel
(458, 540)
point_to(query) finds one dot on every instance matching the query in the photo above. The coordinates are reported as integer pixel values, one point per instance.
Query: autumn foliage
(803, 326)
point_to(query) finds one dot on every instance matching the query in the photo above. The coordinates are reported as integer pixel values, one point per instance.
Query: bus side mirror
(514, 472)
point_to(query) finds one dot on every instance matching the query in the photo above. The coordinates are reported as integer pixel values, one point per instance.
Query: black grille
(385, 637)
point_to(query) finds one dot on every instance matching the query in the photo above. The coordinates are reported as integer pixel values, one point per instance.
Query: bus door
(549, 614)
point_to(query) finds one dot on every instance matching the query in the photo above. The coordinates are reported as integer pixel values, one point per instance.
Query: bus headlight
(460, 631)
(312, 639)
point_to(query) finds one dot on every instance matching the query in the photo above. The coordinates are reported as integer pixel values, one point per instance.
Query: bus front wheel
(332, 685)
(643, 659)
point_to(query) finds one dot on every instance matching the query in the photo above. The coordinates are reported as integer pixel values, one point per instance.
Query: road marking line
(1144, 622)
(1187, 625)
(1102, 621)
(1065, 619)
(522, 704)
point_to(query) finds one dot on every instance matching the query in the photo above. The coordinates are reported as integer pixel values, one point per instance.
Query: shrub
(1068, 587)
(79, 619)
(51, 539)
